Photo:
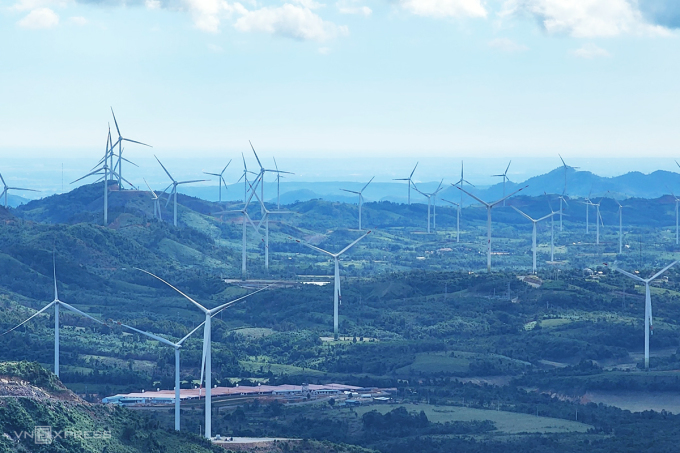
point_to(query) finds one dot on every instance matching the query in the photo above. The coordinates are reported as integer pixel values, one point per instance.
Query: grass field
(434, 362)
(278, 368)
(506, 422)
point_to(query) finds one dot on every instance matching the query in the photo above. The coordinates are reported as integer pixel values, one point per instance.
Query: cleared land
(506, 422)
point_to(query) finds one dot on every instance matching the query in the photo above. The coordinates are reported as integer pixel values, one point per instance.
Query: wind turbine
(177, 347)
(504, 175)
(105, 171)
(361, 198)
(336, 291)
(7, 189)
(265, 220)
(173, 193)
(207, 345)
(429, 197)
(533, 233)
(410, 181)
(260, 179)
(648, 303)
(57, 304)
(620, 227)
(489, 206)
(460, 183)
(119, 142)
(598, 218)
(457, 219)
(677, 200)
(156, 203)
(278, 184)
(220, 179)
(563, 198)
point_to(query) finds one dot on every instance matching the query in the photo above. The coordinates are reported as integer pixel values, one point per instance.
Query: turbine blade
(469, 194)
(523, 214)
(193, 180)
(75, 310)
(352, 244)
(313, 247)
(166, 170)
(351, 191)
(663, 270)
(508, 196)
(150, 335)
(258, 159)
(115, 122)
(633, 276)
(190, 333)
(219, 308)
(135, 141)
(367, 185)
(3, 180)
(225, 167)
(31, 317)
(96, 172)
(414, 170)
(201, 307)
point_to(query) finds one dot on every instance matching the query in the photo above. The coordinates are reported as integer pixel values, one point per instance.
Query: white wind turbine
(533, 235)
(220, 179)
(156, 203)
(598, 218)
(620, 227)
(460, 183)
(648, 303)
(278, 184)
(489, 206)
(677, 200)
(173, 193)
(57, 304)
(361, 198)
(7, 189)
(177, 347)
(260, 179)
(564, 190)
(336, 290)
(410, 181)
(457, 218)
(207, 346)
(105, 172)
(429, 197)
(119, 142)
(244, 177)
(504, 175)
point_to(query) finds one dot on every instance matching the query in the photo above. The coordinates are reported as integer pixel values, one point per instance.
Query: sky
(342, 79)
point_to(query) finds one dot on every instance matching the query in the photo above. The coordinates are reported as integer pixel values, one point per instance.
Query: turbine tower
(220, 179)
(177, 347)
(207, 346)
(504, 175)
(336, 291)
(489, 206)
(563, 197)
(156, 203)
(460, 183)
(648, 303)
(620, 227)
(457, 218)
(57, 304)
(361, 198)
(173, 193)
(598, 218)
(106, 172)
(410, 181)
(119, 142)
(533, 234)
(260, 178)
(7, 189)
(677, 200)
(430, 197)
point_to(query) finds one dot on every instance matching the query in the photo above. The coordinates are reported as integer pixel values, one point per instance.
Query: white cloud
(30, 5)
(40, 18)
(207, 14)
(507, 45)
(585, 18)
(152, 4)
(78, 20)
(290, 21)
(590, 51)
(309, 4)
(351, 7)
(444, 8)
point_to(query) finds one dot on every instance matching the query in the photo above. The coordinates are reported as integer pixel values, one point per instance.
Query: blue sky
(342, 78)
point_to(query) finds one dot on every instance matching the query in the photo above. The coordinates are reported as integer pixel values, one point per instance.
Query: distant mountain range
(579, 184)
